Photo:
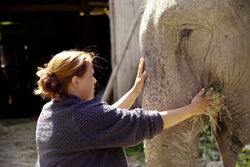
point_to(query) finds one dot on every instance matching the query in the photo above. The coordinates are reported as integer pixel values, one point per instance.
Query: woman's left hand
(139, 82)
(127, 100)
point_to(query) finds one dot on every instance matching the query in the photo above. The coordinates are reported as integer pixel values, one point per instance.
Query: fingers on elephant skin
(144, 75)
(209, 99)
(140, 69)
(201, 92)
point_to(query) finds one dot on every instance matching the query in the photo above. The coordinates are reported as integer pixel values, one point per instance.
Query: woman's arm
(129, 98)
(198, 106)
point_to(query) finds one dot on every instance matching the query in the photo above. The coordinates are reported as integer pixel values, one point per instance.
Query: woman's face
(87, 84)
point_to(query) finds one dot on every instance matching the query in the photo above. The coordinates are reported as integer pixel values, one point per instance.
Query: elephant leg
(175, 147)
(152, 150)
(228, 144)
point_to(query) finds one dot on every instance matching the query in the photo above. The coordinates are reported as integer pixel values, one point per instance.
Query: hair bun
(51, 83)
(49, 72)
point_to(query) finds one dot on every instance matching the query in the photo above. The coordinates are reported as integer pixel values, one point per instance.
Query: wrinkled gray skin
(188, 45)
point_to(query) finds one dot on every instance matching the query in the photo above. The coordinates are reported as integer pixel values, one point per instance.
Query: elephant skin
(188, 45)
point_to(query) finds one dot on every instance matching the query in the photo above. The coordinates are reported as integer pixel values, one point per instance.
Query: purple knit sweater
(73, 133)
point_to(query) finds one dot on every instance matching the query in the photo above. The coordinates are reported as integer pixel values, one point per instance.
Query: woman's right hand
(201, 104)
(198, 106)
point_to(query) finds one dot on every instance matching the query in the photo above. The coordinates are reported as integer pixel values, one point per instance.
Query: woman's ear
(75, 82)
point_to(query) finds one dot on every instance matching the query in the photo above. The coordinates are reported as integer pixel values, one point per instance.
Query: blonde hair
(55, 76)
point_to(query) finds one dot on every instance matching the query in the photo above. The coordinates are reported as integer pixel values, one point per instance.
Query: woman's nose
(95, 80)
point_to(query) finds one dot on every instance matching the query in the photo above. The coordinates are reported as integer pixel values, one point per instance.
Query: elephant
(189, 45)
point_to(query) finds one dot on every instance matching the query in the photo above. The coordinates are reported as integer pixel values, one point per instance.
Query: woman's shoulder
(91, 105)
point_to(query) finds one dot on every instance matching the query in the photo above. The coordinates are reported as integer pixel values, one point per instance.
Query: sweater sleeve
(102, 126)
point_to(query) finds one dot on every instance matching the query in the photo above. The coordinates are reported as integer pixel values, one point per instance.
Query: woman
(75, 131)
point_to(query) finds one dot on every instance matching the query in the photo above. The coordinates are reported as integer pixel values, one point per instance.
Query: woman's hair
(55, 76)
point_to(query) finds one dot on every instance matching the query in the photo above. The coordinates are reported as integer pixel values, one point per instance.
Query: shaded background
(31, 32)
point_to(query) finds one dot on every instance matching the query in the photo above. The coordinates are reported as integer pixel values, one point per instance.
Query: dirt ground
(17, 143)
(18, 146)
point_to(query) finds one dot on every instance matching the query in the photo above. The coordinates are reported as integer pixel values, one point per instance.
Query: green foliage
(136, 151)
(209, 151)
(207, 145)
(244, 158)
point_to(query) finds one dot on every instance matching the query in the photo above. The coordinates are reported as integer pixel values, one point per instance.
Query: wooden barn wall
(122, 15)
